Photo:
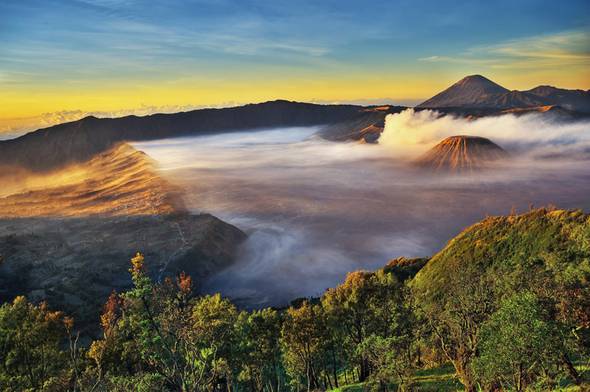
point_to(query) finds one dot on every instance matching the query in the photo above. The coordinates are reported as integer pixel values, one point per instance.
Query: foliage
(258, 335)
(505, 304)
(303, 343)
(30, 355)
(365, 304)
(543, 251)
(519, 344)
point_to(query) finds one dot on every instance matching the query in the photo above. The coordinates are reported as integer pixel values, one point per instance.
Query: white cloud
(542, 51)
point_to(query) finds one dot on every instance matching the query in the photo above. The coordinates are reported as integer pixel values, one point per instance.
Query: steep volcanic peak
(468, 91)
(480, 84)
(478, 92)
(462, 154)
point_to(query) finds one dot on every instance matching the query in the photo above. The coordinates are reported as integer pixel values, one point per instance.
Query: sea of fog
(315, 210)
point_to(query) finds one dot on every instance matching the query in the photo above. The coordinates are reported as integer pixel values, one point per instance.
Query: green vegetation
(504, 306)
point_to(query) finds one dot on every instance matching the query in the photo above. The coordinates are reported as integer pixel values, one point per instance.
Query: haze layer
(316, 209)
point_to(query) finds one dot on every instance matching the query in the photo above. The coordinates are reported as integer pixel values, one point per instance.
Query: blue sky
(110, 55)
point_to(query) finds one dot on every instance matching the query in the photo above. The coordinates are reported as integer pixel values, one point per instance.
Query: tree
(303, 343)
(259, 333)
(519, 343)
(455, 320)
(389, 361)
(213, 321)
(365, 304)
(161, 322)
(115, 355)
(30, 336)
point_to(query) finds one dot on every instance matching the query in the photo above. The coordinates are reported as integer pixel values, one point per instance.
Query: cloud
(533, 135)
(315, 210)
(571, 48)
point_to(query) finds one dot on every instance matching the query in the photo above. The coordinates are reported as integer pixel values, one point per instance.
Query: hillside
(121, 181)
(66, 236)
(556, 241)
(74, 263)
(574, 100)
(462, 154)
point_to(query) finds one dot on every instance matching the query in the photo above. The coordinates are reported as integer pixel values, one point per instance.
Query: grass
(583, 369)
(358, 387)
(443, 379)
(435, 379)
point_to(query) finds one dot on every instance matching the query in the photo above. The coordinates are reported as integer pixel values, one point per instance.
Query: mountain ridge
(478, 92)
(77, 141)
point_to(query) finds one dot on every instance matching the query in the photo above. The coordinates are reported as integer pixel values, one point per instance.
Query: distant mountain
(462, 154)
(576, 100)
(80, 140)
(470, 91)
(478, 92)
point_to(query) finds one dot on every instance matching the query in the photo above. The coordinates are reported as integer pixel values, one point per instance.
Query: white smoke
(315, 210)
(535, 135)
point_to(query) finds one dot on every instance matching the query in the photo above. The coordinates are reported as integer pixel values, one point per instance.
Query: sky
(60, 60)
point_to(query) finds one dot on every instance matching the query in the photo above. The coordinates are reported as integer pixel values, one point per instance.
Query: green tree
(365, 304)
(303, 344)
(30, 355)
(389, 361)
(455, 320)
(213, 321)
(160, 320)
(519, 343)
(261, 366)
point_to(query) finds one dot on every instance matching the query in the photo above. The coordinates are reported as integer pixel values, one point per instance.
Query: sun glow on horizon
(117, 58)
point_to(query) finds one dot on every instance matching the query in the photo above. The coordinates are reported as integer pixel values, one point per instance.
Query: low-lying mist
(315, 210)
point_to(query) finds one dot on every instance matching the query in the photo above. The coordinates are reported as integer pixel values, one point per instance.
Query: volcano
(462, 154)
(471, 91)
(476, 92)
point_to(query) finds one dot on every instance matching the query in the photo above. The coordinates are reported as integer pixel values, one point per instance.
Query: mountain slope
(478, 92)
(471, 91)
(75, 263)
(462, 153)
(67, 236)
(367, 125)
(541, 241)
(576, 100)
(121, 181)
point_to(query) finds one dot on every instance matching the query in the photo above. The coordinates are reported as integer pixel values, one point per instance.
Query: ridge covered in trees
(506, 302)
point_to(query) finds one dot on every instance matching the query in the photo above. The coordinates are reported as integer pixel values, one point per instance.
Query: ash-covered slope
(67, 236)
(120, 181)
(74, 263)
(461, 154)
(80, 140)
(471, 91)
(478, 92)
